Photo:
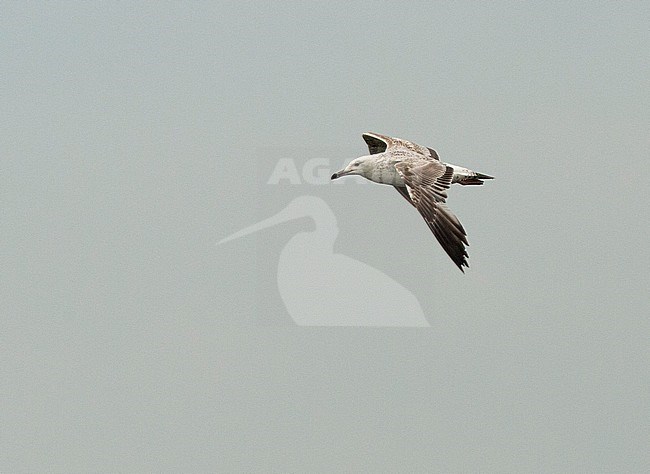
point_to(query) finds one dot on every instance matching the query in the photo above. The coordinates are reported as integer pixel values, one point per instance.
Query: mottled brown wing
(433, 154)
(376, 143)
(427, 183)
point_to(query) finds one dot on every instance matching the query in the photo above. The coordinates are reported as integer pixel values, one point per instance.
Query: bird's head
(360, 166)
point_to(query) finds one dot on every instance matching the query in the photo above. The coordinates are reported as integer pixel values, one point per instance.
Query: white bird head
(361, 166)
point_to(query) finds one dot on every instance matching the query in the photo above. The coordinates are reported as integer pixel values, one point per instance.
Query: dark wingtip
(334, 176)
(461, 265)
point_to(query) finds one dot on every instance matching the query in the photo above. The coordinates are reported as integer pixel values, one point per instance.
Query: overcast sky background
(136, 135)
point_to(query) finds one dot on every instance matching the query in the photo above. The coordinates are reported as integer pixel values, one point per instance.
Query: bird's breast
(386, 174)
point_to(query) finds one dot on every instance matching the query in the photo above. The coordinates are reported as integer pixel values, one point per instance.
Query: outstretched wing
(427, 182)
(378, 143)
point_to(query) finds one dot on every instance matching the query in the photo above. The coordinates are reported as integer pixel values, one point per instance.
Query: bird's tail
(474, 179)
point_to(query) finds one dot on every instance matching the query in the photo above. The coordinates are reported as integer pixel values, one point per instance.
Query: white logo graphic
(322, 288)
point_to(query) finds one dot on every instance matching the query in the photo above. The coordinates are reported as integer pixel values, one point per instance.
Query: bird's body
(421, 178)
(383, 169)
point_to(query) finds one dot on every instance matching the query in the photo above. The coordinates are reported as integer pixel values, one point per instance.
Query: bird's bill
(282, 216)
(338, 174)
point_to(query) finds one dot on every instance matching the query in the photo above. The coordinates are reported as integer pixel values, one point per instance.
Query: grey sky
(136, 135)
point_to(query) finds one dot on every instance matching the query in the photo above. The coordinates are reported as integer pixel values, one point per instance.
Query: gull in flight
(422, 179)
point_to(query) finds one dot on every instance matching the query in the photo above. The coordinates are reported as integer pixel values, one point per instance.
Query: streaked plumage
(422, 179)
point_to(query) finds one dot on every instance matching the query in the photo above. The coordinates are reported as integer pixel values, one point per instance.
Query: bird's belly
(387, 175)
